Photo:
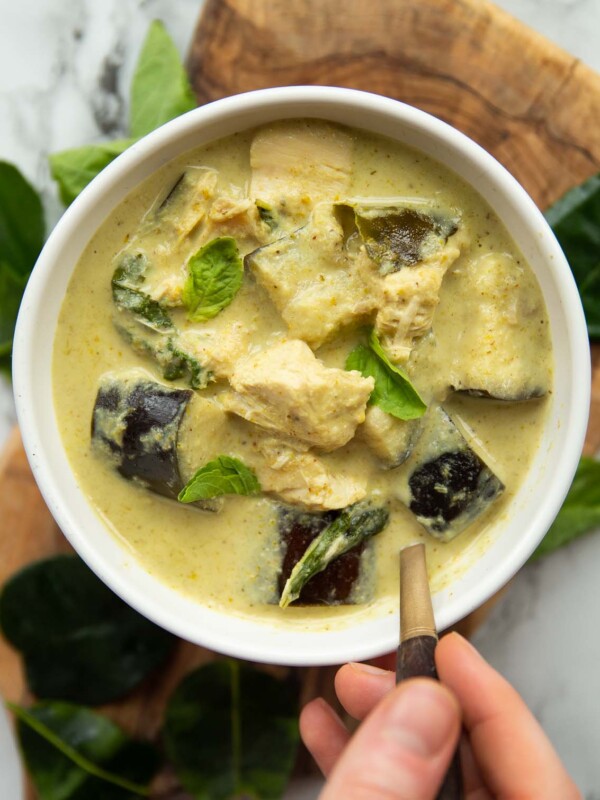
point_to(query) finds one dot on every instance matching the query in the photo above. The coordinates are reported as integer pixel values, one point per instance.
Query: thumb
(403, 748)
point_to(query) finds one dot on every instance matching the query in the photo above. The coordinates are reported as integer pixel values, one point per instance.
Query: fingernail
(421, 717)
(367, 669)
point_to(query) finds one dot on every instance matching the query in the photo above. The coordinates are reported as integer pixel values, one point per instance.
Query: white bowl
(538, 499)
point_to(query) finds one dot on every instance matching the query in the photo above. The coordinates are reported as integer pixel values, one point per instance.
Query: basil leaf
(178, 364)
(5, 362)
(21, 239)
(214, 279)
(79, 641)
(142, 306)
(580, 512)
(232, 731)
(12, 286)
(127, 295)
(393, 392)
(74, 169)
(224, 475)
(575, 219)
(160, 89)
(74, 754)
(21, 221)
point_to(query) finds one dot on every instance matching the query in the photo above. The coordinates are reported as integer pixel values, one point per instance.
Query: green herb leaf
(178, 364)
(214, 279)
(160, 90)
(74, 169)
(580, 512)
(393, 392)
(232, 731)
(575, 219)
(79, 641)
(143, 306)
(21, 239)
(224, 475)
(12, 286)
(126, 280)
(74, 754)
(21, 221)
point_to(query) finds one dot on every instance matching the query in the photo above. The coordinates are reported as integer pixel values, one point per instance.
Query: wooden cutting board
(529, 103)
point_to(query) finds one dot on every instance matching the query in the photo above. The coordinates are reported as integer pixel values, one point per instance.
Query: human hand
(403, 747)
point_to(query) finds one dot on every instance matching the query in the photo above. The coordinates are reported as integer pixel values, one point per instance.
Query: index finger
(514, 755)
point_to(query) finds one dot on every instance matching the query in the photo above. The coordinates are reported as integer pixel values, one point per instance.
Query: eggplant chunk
(354, 525)
(136, 423)
(314, 283)
(336, 583)
(503, 338)
(445, 483)
(186, 205)
(404, 233)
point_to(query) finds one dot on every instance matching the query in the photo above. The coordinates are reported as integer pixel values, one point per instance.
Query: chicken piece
(217, 351)
(315, 284)
(301, 478)
(238, 217)
(409, 298)
(286, 389)
(169, 291)
(390, 439)
(297, 163)
(411, 245)
(500, 348)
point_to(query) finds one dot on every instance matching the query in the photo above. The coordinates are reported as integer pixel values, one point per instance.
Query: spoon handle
(418, 640)
(416, 660)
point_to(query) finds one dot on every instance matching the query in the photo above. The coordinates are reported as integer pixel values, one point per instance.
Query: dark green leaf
(231, 732)
(12, 286)
(5, 364)
(393, 392)
(589, 291)
(160, 90)
(142, 306)
(74, 754)
(575, 219)
(74, 169)
(214, 279)
(178, 364)
(224, 475)
(21, 221)
(79, 641)
(126, 280)
(580, 512)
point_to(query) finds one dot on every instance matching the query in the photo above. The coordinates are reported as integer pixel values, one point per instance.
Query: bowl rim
(325, 102)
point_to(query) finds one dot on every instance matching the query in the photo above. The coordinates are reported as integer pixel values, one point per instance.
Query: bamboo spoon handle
(418, 639)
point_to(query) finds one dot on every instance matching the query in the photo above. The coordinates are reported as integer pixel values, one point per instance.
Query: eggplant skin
(451, 490)
(332, 586)
(503, 395)
(135, 424)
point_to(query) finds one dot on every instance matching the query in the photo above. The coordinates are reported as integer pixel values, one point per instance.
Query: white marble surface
(65, 68)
